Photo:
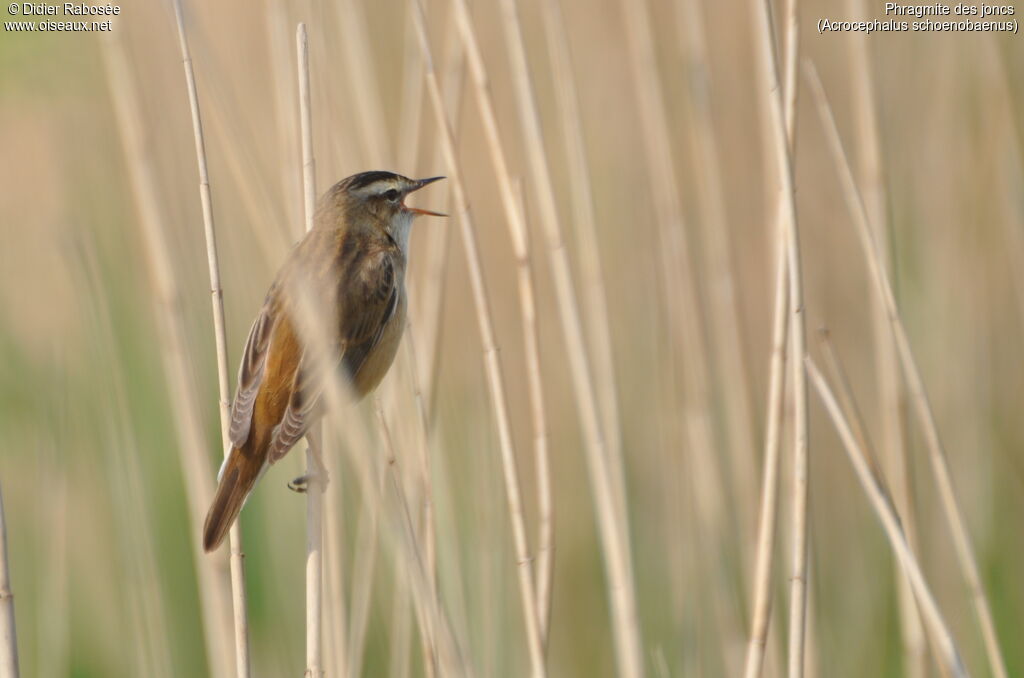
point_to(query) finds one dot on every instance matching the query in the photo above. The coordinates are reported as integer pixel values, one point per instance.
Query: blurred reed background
(669, 216)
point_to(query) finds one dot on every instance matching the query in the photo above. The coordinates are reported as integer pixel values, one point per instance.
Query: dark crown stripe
(364, 179)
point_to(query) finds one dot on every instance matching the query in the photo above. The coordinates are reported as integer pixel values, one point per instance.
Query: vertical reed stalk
(434, 624)
(724, 307)
(306, 125)
(766, 531)
(768, 516)
(613, 522)
(426, 618)
(717, 510)
(264, 217)
(363, 570)
(333, 619)
(215, 596)
(365, 94)
(282, 83)
(849, 406)
(372, 474)
(891, 523)
(314, 469)
(428, 529)
(538, 419)
(891, 397)
(410, 113)
(586, 241)
(360, 60)
(430, 297)
(238, 600)
(134, 528)
(769, 62)
(614, 533)
(336, 622)
(678, 279)
(495, 377)
(915, 385)
(8, 632)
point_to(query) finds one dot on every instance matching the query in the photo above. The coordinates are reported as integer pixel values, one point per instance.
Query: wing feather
(370, 288)
(361, 342)
(302, 404)
(250, 374)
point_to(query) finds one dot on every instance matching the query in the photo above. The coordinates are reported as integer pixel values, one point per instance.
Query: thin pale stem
(538, 419)
(890, 522)
(314, 554)
(915, 386)
(587, 238)
(426, 619)
(370, 115)
(359, 68)
(430, 297)
(724, 303)
(363, 571)
(411, 109)
(768, 517)
(427, 528)
(215, 594)
(133, 528)
(492, 364)
(337, 623)
(237, 566)
(286, 118)
(306, 125)
(717, 508)
(372, 474)
(768, 58)
(611, 518)
(314, 469)
(891, 396)
(849, 405)
(678, 278)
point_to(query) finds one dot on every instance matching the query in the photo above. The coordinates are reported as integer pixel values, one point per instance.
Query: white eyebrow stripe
(377, 187)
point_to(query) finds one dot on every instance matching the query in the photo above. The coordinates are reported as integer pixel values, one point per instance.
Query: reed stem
(915, 385)
(880, 502)
(314, 469)
(237, 566)
(767, 525)
(495, 377)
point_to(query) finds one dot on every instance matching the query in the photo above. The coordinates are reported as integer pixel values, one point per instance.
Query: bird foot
(316, 471)
(303, 483)
(299, 484)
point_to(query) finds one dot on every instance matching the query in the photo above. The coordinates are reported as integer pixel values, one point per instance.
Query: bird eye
(391, 195)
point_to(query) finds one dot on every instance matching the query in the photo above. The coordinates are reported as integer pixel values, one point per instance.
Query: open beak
(420, 184)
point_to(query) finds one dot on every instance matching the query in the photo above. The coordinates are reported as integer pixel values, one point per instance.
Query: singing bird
(346, 279)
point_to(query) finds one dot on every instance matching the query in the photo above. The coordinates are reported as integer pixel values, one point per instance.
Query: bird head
(377, 199)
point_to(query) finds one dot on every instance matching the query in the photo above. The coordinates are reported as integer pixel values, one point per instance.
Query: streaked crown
(377, 183)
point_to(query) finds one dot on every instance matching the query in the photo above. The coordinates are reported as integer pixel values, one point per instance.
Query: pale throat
(401, 225)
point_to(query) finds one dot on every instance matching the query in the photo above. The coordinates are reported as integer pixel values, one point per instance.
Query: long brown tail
(239, 475)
